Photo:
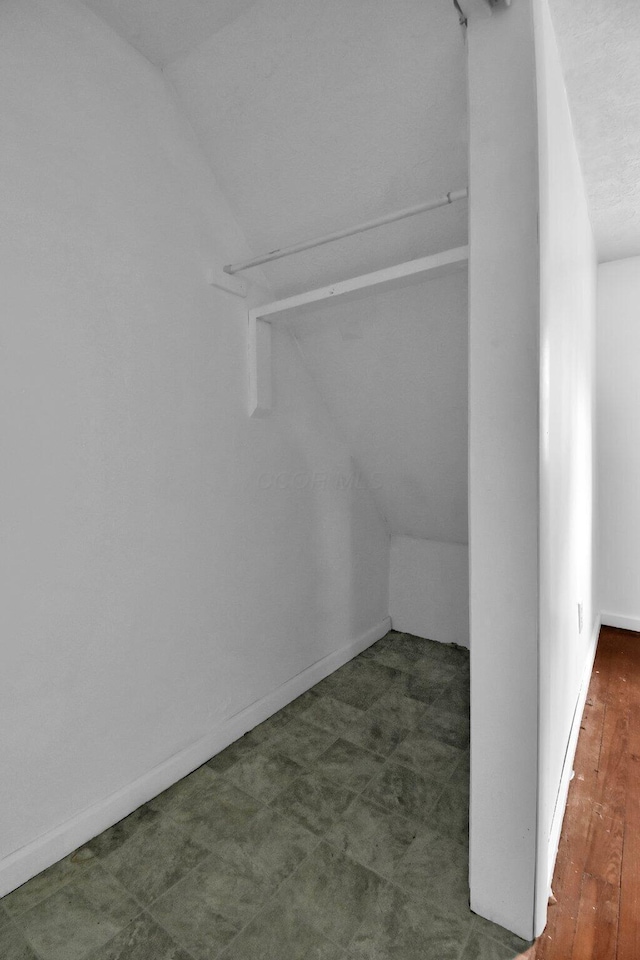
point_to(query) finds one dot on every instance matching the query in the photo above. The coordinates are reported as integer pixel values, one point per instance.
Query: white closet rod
(450, 197)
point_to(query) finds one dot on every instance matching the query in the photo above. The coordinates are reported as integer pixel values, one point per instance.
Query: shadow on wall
(351, 545)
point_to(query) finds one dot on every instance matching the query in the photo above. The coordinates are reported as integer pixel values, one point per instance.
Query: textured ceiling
(599, 44)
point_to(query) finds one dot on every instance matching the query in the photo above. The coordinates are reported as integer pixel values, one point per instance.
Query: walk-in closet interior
(272, 376)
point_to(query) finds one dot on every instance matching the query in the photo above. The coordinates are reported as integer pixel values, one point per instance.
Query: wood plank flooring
(597, 876)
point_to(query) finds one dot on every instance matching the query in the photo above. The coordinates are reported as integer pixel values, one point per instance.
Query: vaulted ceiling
(316, 116)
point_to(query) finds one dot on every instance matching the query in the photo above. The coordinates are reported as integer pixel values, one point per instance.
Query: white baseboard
(29, 860)
(623, 623)
(567, 767)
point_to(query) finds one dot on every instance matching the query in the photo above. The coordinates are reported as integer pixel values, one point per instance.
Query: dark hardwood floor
(597, 875)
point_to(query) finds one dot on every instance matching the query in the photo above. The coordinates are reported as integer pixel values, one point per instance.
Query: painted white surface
(567, 435)
(236, 285)
(392, 369)
(429, 589)
(618, 392)
(503, 467)
(623, 623)
(163, 30)
(293, 309)
(167, 562)
(317, 116)
(380, 281)
(259, 367)
(600, 47)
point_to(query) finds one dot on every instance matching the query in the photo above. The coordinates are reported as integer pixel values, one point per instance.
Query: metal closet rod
(450, 197)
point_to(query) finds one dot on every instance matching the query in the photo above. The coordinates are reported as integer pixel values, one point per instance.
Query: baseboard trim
(567, 768)
(41, 853)
(623, 623)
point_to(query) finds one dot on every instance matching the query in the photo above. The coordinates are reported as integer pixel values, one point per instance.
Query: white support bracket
(216, 277)
(481, 9)
(261, 318)
(259, 349)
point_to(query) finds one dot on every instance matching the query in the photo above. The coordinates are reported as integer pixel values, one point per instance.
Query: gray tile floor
(336, 830)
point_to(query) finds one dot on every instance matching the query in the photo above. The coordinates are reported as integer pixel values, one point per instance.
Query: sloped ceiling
(599, 43)
(316, 116)
(163, 30)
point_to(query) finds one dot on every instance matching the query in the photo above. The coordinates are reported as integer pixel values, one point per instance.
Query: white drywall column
(619, 441)
(503, 465)
(567, 522)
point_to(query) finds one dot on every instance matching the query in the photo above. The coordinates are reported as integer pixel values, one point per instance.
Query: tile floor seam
(322, 838)
(265, 904)
(171, 936)
(387, 812)
(383, 809)
(185, 876)
(393, 879)
(210, 855)
(368, 783)
(38, 902)
(403, 892)
(407, 766)
(87, 955)
(438, 796)
(143, 906)
(356, 796)
(22, 933)
(143, 912)
(95, 861)
(466, 940)
(494, 939)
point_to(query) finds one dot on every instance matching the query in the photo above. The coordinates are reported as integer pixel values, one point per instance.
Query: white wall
(392, 368)
(503, 464)
(567, 445)
(618, 405)
(531, 459)
(167, 562)
(429, 589)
